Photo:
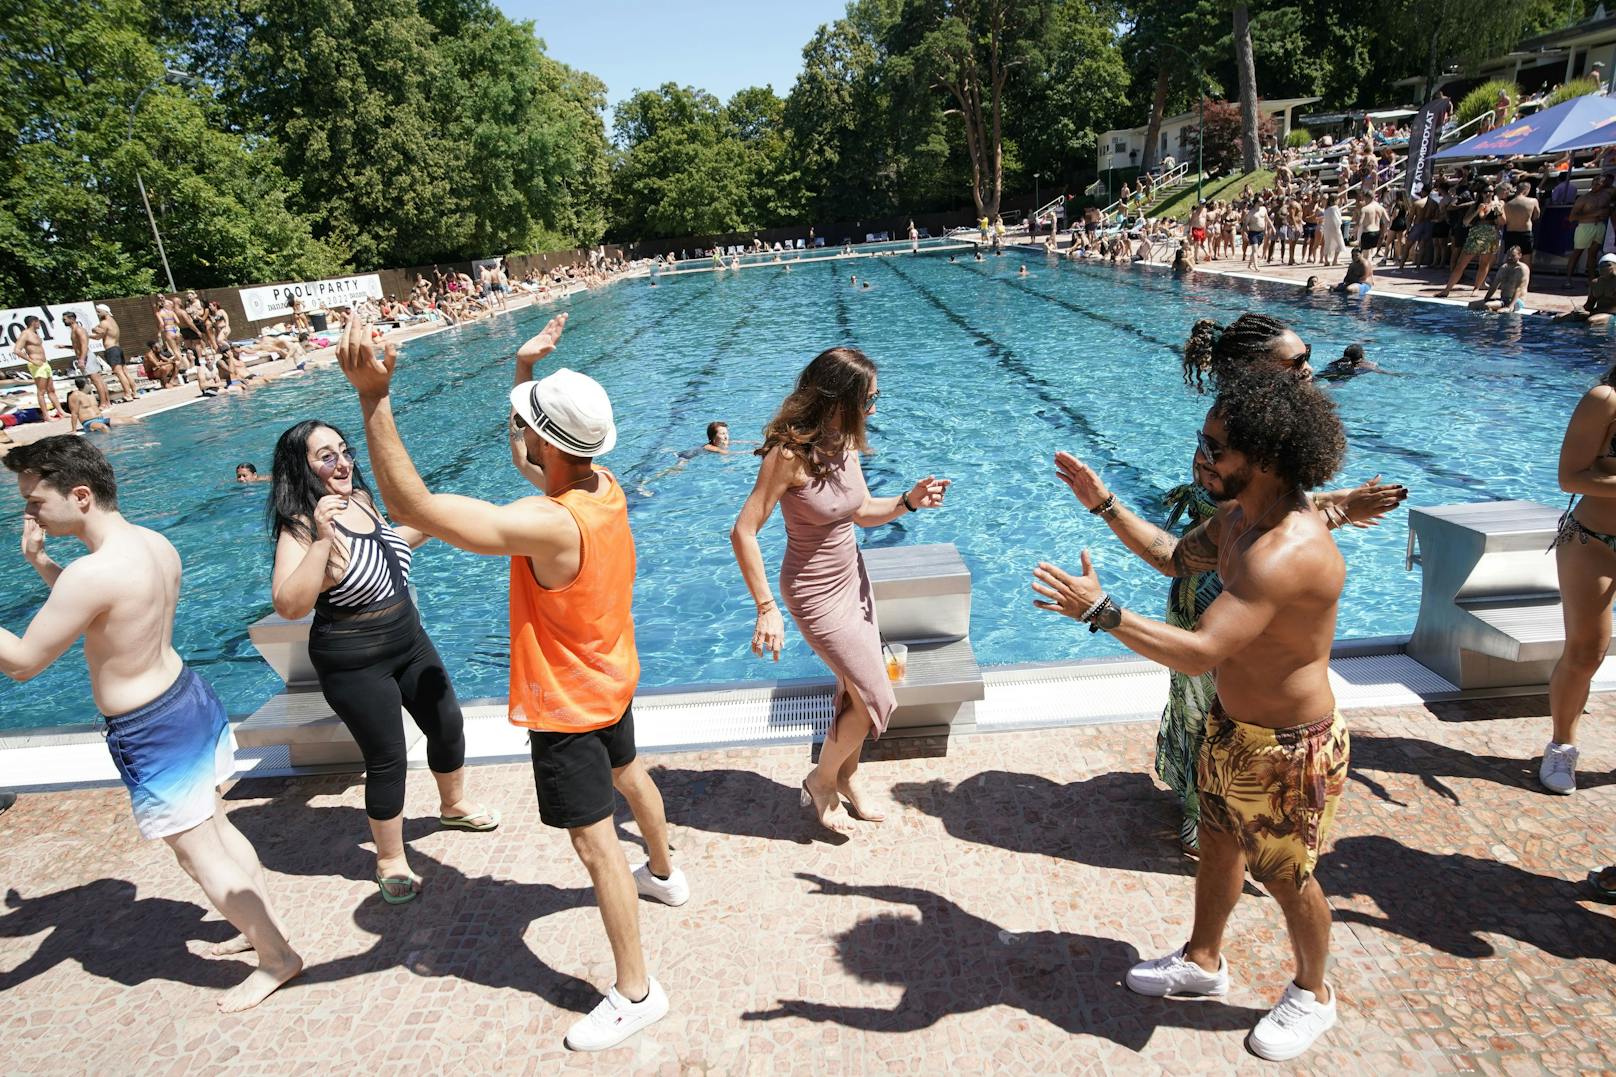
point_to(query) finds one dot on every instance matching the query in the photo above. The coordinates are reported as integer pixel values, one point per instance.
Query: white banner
(53, 331)
(275, 300)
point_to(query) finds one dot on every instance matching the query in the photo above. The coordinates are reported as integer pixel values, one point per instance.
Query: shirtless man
(1372, 221)
(1589, 213)
(1274, 762)
(106, 331)
(1601, 302)
(89, 362)
(166, 730)
(159, 367)
(1360, 276)
(1510, 283)
(574, 666)
(1521, 212)
(86, 415)
(1256, 225)
(31, 350)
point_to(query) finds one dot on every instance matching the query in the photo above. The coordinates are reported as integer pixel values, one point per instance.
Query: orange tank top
(574, 666)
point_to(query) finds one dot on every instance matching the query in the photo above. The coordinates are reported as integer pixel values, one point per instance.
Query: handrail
(1169, 178)
(1449, 135)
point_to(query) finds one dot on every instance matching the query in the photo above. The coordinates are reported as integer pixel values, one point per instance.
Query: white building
(1126, 148)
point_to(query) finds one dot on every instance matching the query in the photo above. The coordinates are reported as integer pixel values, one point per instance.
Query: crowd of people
(1250, 739)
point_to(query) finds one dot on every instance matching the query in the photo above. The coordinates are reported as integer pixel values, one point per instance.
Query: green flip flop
(464, 822)
(395, 881)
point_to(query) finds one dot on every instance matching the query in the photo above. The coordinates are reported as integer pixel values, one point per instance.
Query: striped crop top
(378, 572)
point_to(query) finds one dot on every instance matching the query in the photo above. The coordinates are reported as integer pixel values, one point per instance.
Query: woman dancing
(335, 554)
(1585, 556)
(811, 469)
(1213, 351)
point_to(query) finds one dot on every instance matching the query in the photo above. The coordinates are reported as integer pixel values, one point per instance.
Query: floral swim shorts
(1274, 790)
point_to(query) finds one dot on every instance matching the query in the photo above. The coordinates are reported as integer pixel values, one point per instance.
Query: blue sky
(716, 45)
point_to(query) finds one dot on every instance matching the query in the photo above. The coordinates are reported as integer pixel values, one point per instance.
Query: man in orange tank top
(574, 666)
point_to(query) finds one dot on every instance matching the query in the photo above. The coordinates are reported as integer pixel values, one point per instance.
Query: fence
(137, 318)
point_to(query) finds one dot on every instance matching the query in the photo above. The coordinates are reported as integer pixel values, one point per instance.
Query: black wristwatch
(1106, 618)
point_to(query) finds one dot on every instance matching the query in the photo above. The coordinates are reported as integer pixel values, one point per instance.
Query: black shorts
(114, 356)
(1523, 240)
(1369, 241)
(1440, 229)
(572, 772)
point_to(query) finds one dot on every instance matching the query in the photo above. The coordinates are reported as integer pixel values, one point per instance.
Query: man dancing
(166, 730)
(1274, 760)
(574, 666)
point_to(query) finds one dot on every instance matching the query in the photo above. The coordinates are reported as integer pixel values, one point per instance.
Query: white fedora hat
(569, 410)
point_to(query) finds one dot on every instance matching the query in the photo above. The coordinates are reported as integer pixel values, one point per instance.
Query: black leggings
(369, 669)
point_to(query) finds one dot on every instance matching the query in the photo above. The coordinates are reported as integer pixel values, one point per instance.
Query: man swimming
(166, 729)
(1350, 365)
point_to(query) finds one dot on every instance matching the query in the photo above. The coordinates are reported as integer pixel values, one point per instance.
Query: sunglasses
(869, 401)
(1302, 360)
(1208, 448)
(326, 462)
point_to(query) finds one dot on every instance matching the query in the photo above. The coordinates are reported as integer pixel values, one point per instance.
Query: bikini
(1570, 527)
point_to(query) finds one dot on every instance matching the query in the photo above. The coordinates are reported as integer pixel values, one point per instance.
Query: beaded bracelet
(1105, 507)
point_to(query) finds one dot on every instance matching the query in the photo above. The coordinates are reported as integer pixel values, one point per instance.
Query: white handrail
(1450, 135)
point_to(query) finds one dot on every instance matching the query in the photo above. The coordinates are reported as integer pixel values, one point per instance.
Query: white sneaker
(1291, 1027)
(616, 1019)
(1173, 975)
(673, 890)
(1558, 771)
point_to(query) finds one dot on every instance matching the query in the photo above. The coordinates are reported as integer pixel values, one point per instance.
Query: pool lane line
(1016, 283)
(1008, 361)
(844, 321)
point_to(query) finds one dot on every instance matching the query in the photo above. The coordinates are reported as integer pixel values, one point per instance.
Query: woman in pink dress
(811, 468)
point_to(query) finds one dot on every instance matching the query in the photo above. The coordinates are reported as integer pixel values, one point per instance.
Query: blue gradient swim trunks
(172, 754)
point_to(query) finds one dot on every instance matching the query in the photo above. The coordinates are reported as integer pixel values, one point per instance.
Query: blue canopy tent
(1574, 124)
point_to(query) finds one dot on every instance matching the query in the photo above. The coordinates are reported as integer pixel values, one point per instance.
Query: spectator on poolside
(218, 322)
(1372, 220)
(88, 361)
(159, 366)
(1482, 221)
(1257, 226)
(31, 350)
(248, 472)
(1360, 276)
(86, 415)
(1521, 212)
(1601, 302)
(1511, 283)
(1330, 224)
(1590, 213)
(107, 332)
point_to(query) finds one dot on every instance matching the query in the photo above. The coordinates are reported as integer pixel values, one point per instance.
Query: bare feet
(858, 806)
(823, 804)
(263, 982)
(237, 945)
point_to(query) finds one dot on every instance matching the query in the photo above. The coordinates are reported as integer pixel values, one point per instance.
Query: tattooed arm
(1196, 552)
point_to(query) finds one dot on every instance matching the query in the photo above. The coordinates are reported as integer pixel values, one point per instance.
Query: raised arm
(1196, 551)
(530, 353)
(776, 475)
(78, 596)
(1584, 467)
(531, 527)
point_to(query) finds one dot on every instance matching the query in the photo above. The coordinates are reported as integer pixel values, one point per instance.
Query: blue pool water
(983, 376)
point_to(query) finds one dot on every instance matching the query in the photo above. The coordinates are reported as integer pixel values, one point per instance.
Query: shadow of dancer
(468, 927)
(93, 924)
(1028, 813)
(951, 962)
(1432, 762)
(1450, 903)
(708, 800)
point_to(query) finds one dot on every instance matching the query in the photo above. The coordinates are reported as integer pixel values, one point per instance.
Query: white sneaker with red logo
(616, 1019)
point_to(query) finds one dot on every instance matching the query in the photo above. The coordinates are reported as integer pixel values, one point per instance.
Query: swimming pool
(983, 376)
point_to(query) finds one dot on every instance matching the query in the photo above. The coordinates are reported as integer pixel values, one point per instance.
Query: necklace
(1249, 528)
(570, 485)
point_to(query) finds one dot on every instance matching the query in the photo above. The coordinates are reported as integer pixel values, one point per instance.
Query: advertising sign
(1422, 142)
(53, 331)
(275, 300)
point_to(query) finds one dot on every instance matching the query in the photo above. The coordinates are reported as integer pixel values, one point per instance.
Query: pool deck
(983, 928)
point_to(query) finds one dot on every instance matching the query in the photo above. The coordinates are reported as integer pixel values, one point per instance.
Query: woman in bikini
(1585, 555)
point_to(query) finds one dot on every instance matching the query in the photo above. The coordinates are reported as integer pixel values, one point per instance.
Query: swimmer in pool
(248, 472)
(1022, 272)
(1350, 365)
(717, 442)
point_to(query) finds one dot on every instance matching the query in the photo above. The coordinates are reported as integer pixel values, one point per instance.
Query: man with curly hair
(1274, 759)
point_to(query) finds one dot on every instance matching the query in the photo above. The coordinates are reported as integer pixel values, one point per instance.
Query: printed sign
(1423, 138)
(53, 331)
(275, 300)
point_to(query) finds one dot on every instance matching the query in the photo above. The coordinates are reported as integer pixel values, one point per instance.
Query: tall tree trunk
(1247, 68)
(1158, 105)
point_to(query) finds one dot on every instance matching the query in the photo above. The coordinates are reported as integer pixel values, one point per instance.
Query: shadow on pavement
(736, 802)
(1432, 762)
(470, 928)
(117, 936)
(951, 962)
(1452, 902)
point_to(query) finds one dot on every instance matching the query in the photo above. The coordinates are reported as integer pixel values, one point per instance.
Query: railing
(1169, 179)
(1449, 136)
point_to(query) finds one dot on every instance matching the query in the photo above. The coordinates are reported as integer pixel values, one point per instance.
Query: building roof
(1276, 104)
(1595, 30)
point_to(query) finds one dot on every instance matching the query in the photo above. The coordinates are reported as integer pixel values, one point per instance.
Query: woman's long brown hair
(824, 414)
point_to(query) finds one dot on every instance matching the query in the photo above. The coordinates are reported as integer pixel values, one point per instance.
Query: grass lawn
(1178, 204)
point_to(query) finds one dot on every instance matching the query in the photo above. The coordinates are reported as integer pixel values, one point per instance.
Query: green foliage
(1575, 88)
(1483, 98)
(1299, 137)
(1178, 204)
(1222, 125)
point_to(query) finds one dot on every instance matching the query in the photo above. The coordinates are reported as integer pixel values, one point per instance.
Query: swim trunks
(1588, 234)
(93, 364)
(1522, 240)
(1273, 790)
(40, 370)
(102, 419)
(1254, 238)
(1369, 241)
(114, 356)
(1198, 234)
(171, 754)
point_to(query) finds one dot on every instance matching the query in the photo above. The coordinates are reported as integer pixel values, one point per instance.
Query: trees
(1246, 69)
